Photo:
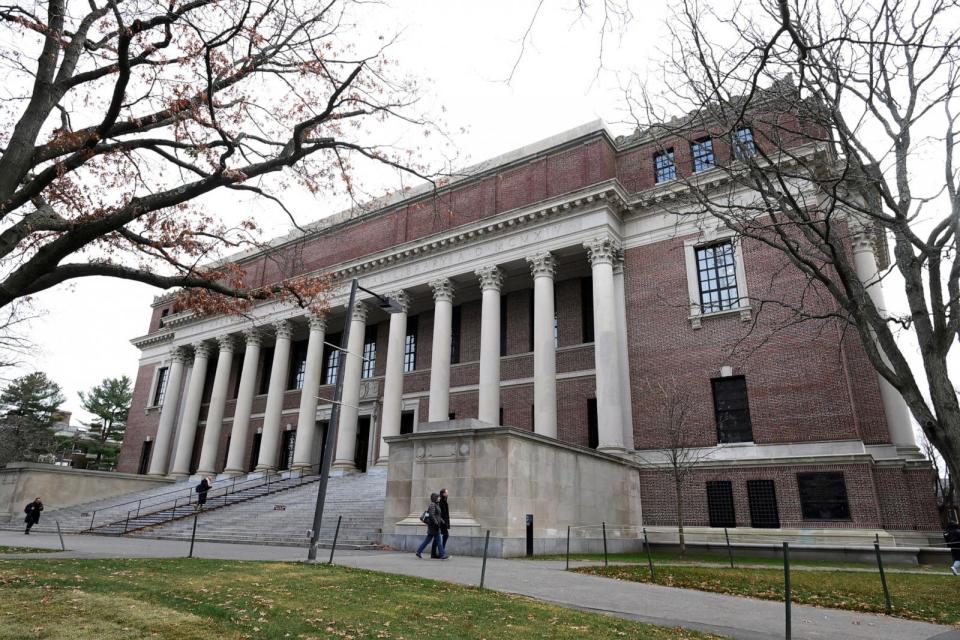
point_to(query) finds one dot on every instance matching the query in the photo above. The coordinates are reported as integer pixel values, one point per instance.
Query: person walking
(202, 489)
(952, 536)
(32, 510)
(445, 528)
(433, 521)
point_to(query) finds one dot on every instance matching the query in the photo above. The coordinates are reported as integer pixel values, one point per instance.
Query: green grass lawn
(201, 599)
(4, 549)
(933, 598)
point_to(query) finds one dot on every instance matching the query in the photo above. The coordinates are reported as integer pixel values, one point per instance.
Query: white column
(894, 406)
(491, 282)
(307, 418)
(350, 399)
(393, 375)
(218, 402)
(440, 356)
(626, 408)
(191, 411)
(542, 266)
(601, 252)
(279, 371)
(241, 416)
(168, 414)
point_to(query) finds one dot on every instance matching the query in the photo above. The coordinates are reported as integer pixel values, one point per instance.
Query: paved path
(741, 618)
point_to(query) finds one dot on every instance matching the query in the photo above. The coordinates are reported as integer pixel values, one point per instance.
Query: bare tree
(683, 452)
(117, 117)
(834, 133)
(943, 485)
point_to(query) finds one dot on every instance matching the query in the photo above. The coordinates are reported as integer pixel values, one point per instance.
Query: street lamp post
(330, 440)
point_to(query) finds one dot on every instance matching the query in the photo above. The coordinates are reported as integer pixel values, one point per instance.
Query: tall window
(331, 359)
(410, 346)
(455, 335)
(720, 504)
(586, 308)
(369, 352)
(823, 496)
(593, 424)
(160, 391)
(664, 167)
(503, 325)
(743, 145)
(702, 152)
(266, 364)
(762, 495)
(717, 276)
(556, 330)
(238, 370)
(298, 365)
(732, 409)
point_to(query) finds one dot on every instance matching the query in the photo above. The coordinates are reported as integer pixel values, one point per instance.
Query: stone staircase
(285, 518)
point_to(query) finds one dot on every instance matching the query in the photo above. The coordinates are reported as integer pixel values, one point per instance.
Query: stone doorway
(363, 443)
(287, 444)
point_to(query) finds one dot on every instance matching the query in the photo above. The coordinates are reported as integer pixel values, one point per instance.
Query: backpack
(425, 517)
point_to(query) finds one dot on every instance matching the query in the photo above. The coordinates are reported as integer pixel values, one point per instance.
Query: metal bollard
(605, 563)
(483, 567)
(193, 534)
(883, 578)
(729, 550)
(786, 589)
(568, 547)
(336, 534)
(646, 544)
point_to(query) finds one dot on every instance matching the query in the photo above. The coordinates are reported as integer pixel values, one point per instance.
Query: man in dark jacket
(445, 527)
(952, 537)
(434, 521)
(202, 489)
(32, 510)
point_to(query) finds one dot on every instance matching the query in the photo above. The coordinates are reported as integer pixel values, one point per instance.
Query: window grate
(762, 495)
(823, 496)
(702, 152)
(717, 277)
(720, 504)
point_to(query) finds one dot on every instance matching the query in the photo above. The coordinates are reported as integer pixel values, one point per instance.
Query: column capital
(179, 354)
(226, 343)
(618, 261)
(360, 311)
(253, 337)
(201, 350)
(602, 250)
(542, 264)
(490, 278)
(442, 290)
(283, 329)
(317, 322)
(402, 298)
(862, 241)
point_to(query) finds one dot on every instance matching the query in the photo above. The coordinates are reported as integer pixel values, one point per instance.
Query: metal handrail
(232, 489)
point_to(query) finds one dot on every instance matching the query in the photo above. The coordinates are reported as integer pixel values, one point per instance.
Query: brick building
(552, 289)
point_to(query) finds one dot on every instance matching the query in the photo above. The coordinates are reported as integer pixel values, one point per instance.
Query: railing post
(604, 544)
(63, 547)
(483, 567)
(336, 534)
(568, 547)
(729, 550)
(193, 534)
(126, 523)
(94, 515)
(786, 590)
(646, 544)
(883, 577)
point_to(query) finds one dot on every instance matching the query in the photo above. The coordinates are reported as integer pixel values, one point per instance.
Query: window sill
(696, 319)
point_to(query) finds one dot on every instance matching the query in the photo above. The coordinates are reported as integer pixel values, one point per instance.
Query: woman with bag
(434, 522)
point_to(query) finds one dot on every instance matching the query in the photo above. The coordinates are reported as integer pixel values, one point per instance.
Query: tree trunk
(683, 545)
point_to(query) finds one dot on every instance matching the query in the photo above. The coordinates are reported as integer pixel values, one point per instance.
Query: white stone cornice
(317, 322)
(490, 278)
(442, 289)
(542, 265)
(603, 250)
(283, 329)
(360, 311)
(151, 340)
(401, 298)
(226, 343)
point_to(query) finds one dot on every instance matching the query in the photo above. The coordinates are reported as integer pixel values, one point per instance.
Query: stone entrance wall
(496, 476)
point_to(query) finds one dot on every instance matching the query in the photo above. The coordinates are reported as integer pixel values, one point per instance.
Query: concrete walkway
(741, 618)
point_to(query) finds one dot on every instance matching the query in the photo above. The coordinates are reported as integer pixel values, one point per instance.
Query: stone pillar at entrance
(491, 282)
(241, 415)
(544, 349)
(307, 417)
(625, 396)
(191, 411)
(601, 252)
(894, 407)
(168, 414)
(393, 375)
(349, 409)
(279, 370)
(440, 357)
(218, 402)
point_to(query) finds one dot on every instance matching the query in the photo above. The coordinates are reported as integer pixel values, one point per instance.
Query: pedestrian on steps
(202, 489)
(32, 510)
(433, 520)
(445, 527)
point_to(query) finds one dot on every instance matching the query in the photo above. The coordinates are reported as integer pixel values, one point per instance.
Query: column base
(304, 467)
(340, 467)
(265, 468)
(180, 475)
(612, 449)
(234, 472)
(204, 473)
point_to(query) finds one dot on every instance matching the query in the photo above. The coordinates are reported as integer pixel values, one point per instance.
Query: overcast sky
(464, 51)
